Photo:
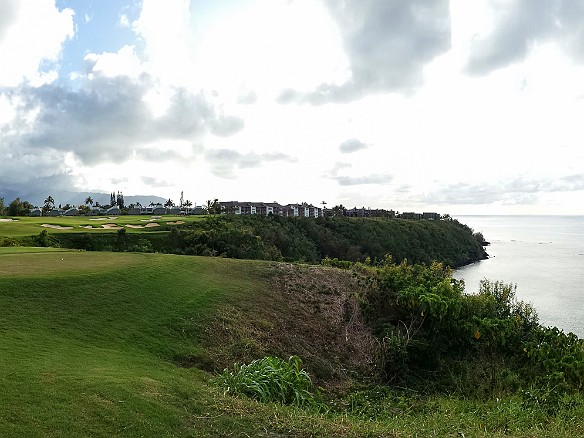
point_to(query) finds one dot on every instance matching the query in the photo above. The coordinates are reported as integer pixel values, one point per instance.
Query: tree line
(299, 239)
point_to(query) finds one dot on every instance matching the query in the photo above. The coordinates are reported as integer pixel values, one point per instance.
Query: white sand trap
(175, 223)
(111, 227)
(8, 220)
(147, 220)
(88, 227)
(56, 227)
(135, 226)
(103, 219)
(151, 224)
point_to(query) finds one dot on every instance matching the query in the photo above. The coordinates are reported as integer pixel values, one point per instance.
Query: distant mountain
(63, 197)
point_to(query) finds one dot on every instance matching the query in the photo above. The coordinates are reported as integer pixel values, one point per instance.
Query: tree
(89, 201)
(2, 207)
(187, 203)
(213, 207)
(181, 204)
(19, 208)
(112, 199)
(120, 200)
(339, 210)
(49, 204)
(169, 203)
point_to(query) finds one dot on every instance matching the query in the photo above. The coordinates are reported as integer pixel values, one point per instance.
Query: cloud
(8, 13)
(26, 52)
(514, 191)
(155, 182)
(247, 97)
(107, 120)
(352, 145)
(363, 180)
(226, 126)
(388, 43)
(224, 162)
(520, 25)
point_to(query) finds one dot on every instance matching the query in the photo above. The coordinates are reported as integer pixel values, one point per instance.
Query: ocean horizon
(543, 255)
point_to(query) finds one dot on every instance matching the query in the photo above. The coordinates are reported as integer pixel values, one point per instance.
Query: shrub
(270, 379)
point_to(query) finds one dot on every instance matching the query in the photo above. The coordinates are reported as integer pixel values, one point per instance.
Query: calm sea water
(543, 255)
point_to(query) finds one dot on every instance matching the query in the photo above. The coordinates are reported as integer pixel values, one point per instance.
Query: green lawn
(29, 226)
(90, 344)
(87, 341)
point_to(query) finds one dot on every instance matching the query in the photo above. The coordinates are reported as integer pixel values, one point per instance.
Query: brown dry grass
(309, 311)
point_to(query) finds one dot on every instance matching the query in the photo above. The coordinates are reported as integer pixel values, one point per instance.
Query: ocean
(542, 255)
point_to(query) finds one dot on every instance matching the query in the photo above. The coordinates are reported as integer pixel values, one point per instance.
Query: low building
(431, 216)
(54, 212)
(411, 216)
(113, 211)
(36, 212)
(71, 212)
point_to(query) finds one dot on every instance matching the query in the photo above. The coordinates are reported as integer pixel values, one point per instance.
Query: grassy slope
(89, 341)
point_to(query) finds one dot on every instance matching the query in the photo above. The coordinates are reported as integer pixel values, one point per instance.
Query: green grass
(29, 226)
(89, 345)
(28, 249)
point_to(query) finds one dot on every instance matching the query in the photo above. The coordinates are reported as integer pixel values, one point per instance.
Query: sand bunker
(56, 227)
(8, 220)
(143, 226)
(175, 223)
(111, 227)
(103, 218)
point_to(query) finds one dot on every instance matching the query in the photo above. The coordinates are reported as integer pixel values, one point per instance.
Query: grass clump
(270, 379)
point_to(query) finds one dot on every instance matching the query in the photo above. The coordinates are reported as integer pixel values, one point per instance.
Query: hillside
(269, 238)
(119, 344)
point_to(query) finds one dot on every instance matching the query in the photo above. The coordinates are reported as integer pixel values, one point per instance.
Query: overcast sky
(452, 106)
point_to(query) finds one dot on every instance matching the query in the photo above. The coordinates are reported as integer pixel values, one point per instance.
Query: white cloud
(124, 62)
(31, 34)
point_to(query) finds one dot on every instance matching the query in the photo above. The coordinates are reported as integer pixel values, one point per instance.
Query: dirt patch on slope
(309, 311)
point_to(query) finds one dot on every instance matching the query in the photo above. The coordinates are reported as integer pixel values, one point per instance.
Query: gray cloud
(224, 162)
(108, 121)
(104, 120)
(8, 9)
(516, 191)
(388, 42)
(247, 97)
(520, 25)
(352, 145)
(362, 180)
(226, 126)
(155, 182)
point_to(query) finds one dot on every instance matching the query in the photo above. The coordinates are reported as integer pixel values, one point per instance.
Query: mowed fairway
(31, 226)
(88, 342)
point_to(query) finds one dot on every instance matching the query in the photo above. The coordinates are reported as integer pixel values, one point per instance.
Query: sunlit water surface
(543, 255)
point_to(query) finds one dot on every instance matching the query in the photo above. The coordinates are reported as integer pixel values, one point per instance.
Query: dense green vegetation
(436, 337)
(102, 344)
(274, 238)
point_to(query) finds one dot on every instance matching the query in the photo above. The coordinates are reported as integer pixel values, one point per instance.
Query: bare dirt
(308, 311)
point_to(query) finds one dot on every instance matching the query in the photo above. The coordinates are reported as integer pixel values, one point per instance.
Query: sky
(414, 105)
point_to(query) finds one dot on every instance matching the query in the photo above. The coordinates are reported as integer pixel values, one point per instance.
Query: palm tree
(169, 203)
(188, 203)
(49, 204)
(89, 201)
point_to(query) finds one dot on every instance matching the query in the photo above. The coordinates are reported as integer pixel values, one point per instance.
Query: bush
(433, 335)
(270, 379)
